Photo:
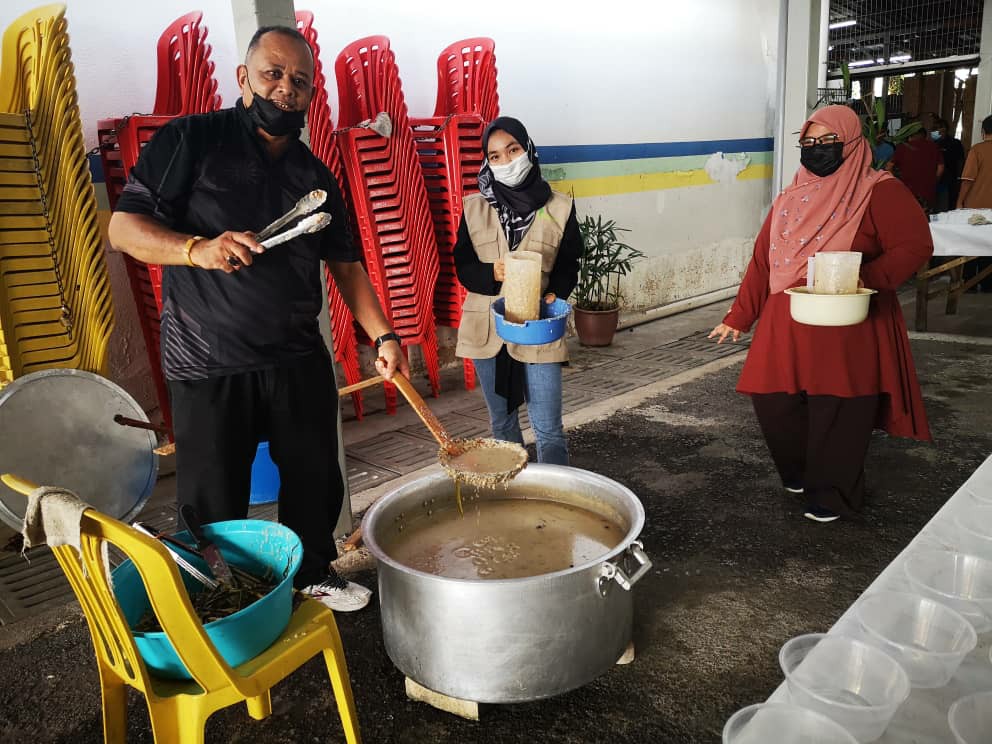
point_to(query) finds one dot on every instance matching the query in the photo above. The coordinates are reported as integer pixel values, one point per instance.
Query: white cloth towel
(52, 517)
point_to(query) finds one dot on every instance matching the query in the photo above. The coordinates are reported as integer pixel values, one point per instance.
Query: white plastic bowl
(961, 581)
(783, 724)
(974, 529)
(857, 685)
(927, 638)
(981, 496)
(828, 309)
(970, 718)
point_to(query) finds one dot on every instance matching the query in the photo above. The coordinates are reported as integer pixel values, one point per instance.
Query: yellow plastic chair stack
(55, 302)
(179, 710)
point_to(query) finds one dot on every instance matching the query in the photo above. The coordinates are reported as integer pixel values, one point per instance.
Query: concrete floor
(737, 570)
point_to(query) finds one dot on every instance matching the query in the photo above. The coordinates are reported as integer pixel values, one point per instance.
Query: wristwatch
(387, 337)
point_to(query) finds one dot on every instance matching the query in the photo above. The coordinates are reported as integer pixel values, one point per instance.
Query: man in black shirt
(949, 184)
(241, 347)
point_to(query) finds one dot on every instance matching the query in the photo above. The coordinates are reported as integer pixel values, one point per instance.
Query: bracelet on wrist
(188, 250)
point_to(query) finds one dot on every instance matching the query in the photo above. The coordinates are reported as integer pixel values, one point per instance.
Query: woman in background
(818, 392)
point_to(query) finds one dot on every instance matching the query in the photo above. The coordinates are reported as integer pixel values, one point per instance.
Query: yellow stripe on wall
(636, 182)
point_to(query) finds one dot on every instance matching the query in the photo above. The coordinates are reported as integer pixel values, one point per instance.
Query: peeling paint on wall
(725, 168)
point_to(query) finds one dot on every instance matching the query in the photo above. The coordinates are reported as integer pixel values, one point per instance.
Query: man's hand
(391, 361)
(499, 271)
(228, 252)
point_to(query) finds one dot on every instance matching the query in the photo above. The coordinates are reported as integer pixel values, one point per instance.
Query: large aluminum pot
(514, 640)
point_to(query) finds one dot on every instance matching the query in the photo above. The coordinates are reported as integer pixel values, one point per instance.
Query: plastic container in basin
(828, 309)
(550, 327)
(783, 724)
(857, 685)
(970, 718)
(255, 546)
(264, 477)
(926, 637)
(958, 580)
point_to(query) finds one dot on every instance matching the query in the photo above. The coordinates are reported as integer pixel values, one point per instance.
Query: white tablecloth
(923, 717)
(953, 236)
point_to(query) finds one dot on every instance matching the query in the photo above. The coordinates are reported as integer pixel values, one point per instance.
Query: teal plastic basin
(259, 547)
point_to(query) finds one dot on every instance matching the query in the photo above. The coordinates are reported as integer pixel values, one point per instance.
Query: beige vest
(477, 337)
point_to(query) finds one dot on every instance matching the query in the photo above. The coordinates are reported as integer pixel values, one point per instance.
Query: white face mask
(513, 173)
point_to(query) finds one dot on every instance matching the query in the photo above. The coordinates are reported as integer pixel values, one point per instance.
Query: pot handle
(614, 572)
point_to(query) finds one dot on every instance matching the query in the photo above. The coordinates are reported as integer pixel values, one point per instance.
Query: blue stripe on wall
(591, 153)
(551, 154)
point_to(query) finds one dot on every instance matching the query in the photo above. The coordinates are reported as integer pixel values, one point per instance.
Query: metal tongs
(269, 235)
(303, 207)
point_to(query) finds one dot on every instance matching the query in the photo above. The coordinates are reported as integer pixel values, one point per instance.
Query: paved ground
(737, 569)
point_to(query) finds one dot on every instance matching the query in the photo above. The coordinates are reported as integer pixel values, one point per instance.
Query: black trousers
(218, 423)
(820, 442)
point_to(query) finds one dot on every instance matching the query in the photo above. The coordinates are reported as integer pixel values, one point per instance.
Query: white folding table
(922, 719)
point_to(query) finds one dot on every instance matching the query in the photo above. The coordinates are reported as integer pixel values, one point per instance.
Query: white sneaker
(339, 594)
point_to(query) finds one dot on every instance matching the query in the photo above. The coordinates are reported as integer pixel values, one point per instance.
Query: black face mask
(272, 119)
(822, 160)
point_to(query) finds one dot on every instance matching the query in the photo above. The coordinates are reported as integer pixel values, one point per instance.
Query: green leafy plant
(873, 121)
(605, 260)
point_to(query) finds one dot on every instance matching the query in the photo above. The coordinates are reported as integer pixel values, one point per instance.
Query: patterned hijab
(822, 214)
(515, 206)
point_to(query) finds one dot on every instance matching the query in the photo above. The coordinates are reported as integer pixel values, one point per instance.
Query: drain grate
(460, 427)
(29, 588)
(398, 452)
(573, 399)
(362, 475)
(604, 381)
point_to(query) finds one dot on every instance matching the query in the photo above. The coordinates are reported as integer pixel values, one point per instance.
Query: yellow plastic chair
(179, 710)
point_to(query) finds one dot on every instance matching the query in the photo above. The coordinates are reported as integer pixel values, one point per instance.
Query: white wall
(577, 73)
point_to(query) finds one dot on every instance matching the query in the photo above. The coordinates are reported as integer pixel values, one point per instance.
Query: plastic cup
(958, 580)
(836, 272)
(856, 685)
(974, 530)
(970, 718)
(927, 638)
(784, 724)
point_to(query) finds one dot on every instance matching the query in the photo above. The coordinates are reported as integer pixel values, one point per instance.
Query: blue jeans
(543, 405)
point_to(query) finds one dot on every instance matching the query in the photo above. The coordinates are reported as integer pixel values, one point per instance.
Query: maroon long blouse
(869, 358)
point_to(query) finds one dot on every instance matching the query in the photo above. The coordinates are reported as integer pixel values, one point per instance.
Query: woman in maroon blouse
(819, 391)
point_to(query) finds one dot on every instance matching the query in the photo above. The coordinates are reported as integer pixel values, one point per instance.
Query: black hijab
(516, 206)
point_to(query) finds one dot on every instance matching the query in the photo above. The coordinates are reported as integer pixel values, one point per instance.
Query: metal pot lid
(57, 429)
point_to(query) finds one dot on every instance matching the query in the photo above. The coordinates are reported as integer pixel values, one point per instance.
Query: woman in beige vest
(515, 209)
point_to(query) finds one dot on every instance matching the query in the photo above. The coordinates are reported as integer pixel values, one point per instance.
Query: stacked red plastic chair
(324, 146)
(387, 192)
(450, 154)
(186, 85)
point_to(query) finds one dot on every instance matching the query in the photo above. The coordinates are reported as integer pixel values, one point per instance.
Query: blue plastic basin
(550, 327)
(259, 547)
(264, 477)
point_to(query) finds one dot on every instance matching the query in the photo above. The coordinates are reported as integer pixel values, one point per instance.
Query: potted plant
(873, 120)
(605, 260)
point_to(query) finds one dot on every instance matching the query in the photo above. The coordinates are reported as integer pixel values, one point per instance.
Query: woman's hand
(550, 297)
(499, 271)
(723, 330)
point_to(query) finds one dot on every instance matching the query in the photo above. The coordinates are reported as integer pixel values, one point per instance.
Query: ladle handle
(429, 419)
(18, 484)
(348, 389)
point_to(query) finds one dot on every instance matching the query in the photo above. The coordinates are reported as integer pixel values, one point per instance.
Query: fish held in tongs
(306, 204)
(313, 223)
